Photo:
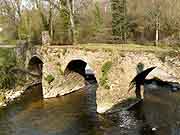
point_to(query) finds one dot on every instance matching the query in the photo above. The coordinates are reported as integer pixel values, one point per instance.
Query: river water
(74, 114)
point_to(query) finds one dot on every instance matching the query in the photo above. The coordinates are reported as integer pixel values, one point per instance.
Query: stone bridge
(113, 67)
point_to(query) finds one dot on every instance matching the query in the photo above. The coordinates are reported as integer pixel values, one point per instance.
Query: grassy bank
(130, 47)
(123, 47)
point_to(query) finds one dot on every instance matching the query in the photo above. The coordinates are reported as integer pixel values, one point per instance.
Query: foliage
(49, 78)
(7, 61)
(2, 97)
(106, 67)
(104, 78)
(7, 79)
(119, 22)
(98, 20)
(64, 24)
(109, 21)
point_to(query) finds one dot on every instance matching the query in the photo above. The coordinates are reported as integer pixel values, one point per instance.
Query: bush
(7, 79)
(7, 61)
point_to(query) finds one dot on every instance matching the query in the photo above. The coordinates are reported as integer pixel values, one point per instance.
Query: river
(74, 114)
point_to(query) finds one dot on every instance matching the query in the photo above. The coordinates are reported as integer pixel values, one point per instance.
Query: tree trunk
(157, 32)
(157, 37)
(43, 17)
(71, 10)
(125, 22)
(50, 21)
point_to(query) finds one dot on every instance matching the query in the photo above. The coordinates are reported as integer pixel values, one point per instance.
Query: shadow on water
(72, 114)
(7, 115)
(75, 114)
(160, 109)
(157, 114)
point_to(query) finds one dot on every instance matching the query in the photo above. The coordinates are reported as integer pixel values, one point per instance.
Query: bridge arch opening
(81, 67)
(35, 66)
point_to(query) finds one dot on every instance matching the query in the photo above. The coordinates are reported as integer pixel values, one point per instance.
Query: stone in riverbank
(9, 96)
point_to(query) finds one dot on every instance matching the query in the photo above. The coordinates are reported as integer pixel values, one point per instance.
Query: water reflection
(161, 110)
(75, 114)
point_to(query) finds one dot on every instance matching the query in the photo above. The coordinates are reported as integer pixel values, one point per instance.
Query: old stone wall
(113, 69)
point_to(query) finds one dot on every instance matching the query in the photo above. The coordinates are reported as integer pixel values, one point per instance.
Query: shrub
(49, 78)
(106, 67)
(104, 78)
(7, 61)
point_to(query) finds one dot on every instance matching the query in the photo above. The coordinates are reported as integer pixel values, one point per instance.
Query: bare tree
(70, 4)
(12, 10)
(47, 17)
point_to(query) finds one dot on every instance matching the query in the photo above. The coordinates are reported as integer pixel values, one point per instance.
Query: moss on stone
(2, 98)
(104, 78)
(49, 78)
(60, 69)
(106, 67)
(64, 51)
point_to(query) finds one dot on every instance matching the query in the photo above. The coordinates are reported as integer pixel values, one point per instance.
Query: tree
(46, 16)
(70, 5)
(154, 14)
(12, 10)
(66, 9)
(119, 21)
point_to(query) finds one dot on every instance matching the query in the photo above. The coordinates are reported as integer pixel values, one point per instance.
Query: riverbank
(10, 96)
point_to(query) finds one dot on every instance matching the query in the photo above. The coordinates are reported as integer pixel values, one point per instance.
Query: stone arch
(82, 67)
(35, 65)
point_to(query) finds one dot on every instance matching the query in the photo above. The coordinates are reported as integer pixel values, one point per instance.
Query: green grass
(128, 47)
(123, 47)
(5, 40)
(2, 37)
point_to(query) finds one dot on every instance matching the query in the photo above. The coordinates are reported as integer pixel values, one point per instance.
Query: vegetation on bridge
(104, 77)
(49, 78)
